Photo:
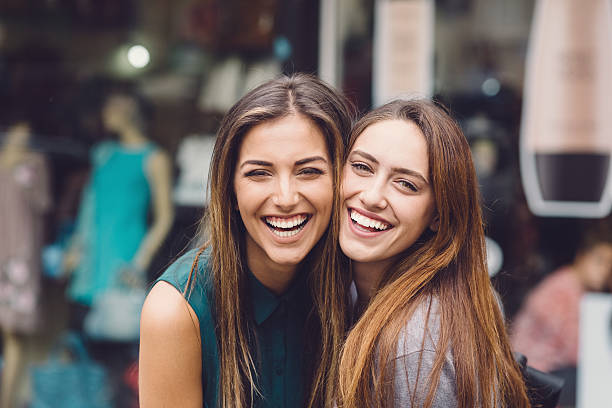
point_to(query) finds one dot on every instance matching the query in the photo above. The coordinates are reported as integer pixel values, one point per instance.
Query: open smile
(363, 223)
(286, 227)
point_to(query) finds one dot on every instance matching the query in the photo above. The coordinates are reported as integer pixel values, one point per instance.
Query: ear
(435, 223)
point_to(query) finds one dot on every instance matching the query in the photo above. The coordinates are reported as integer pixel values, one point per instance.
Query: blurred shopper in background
(24, 200)
(255, 317)
(547, 325)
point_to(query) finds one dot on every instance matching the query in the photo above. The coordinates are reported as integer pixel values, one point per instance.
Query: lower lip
(291, 239)
(361, 233)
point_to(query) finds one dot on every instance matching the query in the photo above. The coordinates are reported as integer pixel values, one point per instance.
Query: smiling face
(284, 192)
(388, 200)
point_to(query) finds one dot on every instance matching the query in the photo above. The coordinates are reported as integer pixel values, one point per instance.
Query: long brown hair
(449, 265)
(332, 114)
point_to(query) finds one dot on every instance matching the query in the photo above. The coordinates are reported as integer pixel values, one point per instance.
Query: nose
(373, 195)
(286, 195)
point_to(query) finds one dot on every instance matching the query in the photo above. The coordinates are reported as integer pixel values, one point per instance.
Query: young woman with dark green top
(256, 316)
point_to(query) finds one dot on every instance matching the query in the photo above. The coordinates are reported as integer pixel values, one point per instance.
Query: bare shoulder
(158, 159)
(170, 350)
(166, 308)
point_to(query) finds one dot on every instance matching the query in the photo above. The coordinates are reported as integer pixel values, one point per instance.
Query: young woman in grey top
(428, 331)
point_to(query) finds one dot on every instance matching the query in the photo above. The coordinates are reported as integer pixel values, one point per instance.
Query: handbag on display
(78, 382)
(115, 315)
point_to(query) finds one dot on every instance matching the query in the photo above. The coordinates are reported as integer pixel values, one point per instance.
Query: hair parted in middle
(332, 114)
(449, 264)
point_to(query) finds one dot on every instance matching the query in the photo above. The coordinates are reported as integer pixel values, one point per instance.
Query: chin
(361, 253)
(355, 253)
(289, 259)
(365, 258)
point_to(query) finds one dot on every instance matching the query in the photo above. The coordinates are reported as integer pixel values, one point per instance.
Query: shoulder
(177, 274)
(169, 306)
(421, 330)
(157, 156)
(199, 292)
(157, 164)
(416, 359)
(559, 285)
(36, 160)
(101, 151)
(170, 350)
(166, 308)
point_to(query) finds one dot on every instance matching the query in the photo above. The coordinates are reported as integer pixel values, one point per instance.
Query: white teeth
(290, 233)
(284, 222)
(368, 222)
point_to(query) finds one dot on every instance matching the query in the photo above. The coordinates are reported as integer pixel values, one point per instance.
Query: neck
(273, 276)
(367, 276)
(131, 137)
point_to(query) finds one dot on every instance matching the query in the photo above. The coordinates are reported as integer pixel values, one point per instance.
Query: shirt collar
(264, 302)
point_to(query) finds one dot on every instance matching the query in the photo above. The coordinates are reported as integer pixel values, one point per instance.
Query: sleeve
(415, 357)
(411, 383)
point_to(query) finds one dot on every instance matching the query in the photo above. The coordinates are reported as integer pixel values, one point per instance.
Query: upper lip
(370, 215)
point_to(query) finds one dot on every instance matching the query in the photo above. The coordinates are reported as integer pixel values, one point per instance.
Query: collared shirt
(279, 323)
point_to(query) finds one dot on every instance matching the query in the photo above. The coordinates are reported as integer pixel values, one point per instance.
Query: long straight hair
(310, 97)
(449, 265)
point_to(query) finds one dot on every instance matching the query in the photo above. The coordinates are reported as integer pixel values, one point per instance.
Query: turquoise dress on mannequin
(112, 218)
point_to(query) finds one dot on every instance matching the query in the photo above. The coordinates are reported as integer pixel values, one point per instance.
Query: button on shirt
(279, 324)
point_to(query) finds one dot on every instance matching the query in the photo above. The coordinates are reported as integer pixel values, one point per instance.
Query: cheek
(322, 193)
(245, 196)
(350, 184)
(418, 213)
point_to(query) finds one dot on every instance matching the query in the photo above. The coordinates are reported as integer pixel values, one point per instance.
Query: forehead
(292, 135)
(396, 143)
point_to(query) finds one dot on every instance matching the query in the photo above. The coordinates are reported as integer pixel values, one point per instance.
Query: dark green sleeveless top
(279, 323)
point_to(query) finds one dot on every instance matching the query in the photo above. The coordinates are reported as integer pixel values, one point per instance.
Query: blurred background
(108, 111)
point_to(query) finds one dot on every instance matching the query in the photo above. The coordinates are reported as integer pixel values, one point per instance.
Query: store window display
(114, 243)
(24, 200)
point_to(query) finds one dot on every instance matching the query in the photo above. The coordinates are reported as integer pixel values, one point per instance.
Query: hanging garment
(24, 198)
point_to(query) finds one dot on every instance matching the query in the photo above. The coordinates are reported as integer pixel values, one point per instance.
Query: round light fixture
(490, 87)
(138, 56)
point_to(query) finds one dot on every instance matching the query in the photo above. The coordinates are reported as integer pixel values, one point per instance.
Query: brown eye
(360, 167)
(407, 185)
(256, 173)
(311, 171)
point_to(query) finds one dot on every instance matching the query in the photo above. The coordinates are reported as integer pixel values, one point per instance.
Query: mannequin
(113, 245)
(24, 198)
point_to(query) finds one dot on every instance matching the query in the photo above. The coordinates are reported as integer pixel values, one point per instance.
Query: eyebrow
(401, 170)
(297, 163)
(310, 160)
(256, 163)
